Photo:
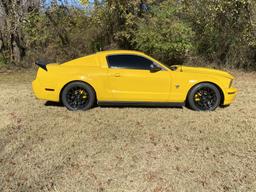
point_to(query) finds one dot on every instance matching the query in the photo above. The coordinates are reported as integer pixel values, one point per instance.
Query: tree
(59, 34)
(221, 31)
(11, 37)
(163, 34)
(225, 30)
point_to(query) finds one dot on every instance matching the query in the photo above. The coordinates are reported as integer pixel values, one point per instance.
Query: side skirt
(139, 104)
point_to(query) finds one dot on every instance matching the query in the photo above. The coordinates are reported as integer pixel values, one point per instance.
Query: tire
(204, 97)
(78, 96)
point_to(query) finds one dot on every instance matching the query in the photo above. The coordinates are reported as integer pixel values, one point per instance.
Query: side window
(129, 62)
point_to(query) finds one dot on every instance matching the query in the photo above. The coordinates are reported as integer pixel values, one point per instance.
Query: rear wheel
(78, 96)
(204, 97)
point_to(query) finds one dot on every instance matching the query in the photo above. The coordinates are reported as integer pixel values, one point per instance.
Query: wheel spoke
(77, 97)
(205, 98)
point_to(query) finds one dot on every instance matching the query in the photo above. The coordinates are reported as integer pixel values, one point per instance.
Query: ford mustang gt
(131, 78)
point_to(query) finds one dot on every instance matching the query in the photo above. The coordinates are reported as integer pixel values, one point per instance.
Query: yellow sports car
(131, 78)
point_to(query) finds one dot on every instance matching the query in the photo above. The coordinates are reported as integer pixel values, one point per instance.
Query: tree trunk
(12, 13)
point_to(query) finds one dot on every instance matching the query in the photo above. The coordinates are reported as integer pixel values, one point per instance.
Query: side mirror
(154, 68)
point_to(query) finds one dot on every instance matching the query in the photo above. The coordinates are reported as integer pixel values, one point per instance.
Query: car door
(130, 79)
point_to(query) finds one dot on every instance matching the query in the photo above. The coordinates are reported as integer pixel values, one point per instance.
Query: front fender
(183, 82)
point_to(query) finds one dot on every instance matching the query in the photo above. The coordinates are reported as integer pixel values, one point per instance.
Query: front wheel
(78, 96)
(204, 97)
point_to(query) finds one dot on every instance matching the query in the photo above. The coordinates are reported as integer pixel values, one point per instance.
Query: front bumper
(229, 96)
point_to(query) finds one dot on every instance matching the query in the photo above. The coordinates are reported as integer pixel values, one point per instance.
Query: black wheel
(204, 97)
(78, 96)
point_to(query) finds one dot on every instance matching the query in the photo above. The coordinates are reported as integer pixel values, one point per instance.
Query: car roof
(121, 52)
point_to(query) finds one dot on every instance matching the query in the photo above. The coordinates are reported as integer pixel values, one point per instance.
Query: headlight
(231, 83)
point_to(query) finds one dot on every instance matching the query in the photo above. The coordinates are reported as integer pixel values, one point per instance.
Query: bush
(221, 31)
(59, 34)
(3, 62)
(224, 31)
(163, 34)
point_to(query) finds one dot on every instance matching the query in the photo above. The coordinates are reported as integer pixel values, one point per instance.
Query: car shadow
(53, 104)
(141, 107)
(58, 104)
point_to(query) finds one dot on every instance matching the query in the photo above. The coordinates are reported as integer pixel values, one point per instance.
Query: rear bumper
(229, 96)
(43, 92)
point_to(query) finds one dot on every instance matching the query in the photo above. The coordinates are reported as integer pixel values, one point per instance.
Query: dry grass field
(47, 148)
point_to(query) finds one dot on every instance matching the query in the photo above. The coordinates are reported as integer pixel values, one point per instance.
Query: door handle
(117, 75)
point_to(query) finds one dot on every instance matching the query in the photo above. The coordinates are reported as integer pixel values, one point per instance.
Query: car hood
(200, 70)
